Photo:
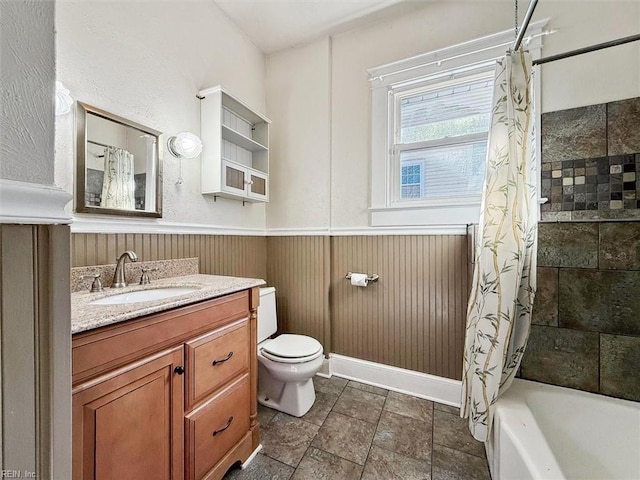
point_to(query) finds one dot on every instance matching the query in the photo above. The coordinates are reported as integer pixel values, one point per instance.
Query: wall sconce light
(63, 100)
(184, 145)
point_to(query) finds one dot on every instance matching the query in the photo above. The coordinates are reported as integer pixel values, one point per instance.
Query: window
(430, 118)
(412, 183)
(441, 139)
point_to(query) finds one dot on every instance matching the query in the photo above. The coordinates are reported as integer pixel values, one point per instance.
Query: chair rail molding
(99, 224)
(33, 204)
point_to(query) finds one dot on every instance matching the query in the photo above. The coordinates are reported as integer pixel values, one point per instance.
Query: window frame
(484, 71)
(433, 68)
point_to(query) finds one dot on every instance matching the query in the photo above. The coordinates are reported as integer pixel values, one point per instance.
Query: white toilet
(286, 364)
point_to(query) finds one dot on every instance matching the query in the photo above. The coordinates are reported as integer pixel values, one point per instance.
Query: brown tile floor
(355, 431)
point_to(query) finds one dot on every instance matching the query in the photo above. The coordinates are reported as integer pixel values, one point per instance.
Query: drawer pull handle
(179, 370)
(216, 362)
(215, 432)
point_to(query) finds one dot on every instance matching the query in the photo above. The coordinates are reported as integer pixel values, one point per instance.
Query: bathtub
(547, 432)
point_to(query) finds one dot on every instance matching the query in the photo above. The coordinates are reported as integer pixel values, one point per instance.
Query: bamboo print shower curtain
(118, 187)
(499, 310)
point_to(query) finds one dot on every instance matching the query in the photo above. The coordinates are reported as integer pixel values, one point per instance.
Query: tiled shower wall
(591, 162)
(586, 317)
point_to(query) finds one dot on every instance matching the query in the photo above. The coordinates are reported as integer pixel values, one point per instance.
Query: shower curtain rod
(525, 24)
(592, 48)
(571, 53)
(99, 144)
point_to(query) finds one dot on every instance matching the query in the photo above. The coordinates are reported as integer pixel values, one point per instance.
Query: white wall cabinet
(235, 157)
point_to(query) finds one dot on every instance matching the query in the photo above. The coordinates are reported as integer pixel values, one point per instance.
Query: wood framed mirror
(118, 165)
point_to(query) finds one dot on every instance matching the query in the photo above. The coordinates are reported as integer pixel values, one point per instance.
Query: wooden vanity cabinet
(167, 396)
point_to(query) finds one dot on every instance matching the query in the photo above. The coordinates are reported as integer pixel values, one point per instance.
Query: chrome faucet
(119, 277)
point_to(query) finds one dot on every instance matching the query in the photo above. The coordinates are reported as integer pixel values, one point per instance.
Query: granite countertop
(85, 316)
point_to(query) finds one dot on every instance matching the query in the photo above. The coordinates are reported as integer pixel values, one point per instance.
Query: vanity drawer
(215, 358)
(97, 351)
(215, 427)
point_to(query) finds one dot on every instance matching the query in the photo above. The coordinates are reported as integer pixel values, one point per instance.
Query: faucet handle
(96, 285)
(144, 279)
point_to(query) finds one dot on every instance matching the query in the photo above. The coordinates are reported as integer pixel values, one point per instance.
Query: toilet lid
(293, 346)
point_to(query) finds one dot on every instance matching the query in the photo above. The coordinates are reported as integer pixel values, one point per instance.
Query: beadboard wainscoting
(35, 346)
(242, 256)
(299, 269)
(413, 317)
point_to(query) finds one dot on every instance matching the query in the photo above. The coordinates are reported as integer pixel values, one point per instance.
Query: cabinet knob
(179, 370)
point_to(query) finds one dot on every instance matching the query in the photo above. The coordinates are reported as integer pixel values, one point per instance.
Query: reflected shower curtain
(504, 277)
(118, 186)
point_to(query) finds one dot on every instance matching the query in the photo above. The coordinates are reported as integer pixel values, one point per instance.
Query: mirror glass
(118, 165)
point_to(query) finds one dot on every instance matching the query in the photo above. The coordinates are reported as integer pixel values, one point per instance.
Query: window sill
(461, 213)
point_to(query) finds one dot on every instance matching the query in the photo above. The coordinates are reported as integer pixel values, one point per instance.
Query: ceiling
(274, 25)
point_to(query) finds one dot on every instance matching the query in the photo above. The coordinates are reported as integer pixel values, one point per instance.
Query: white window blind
(441, 133)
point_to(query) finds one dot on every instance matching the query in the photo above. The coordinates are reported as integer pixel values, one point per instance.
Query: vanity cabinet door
(128, 424)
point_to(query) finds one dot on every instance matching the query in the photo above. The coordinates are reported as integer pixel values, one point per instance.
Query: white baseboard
(251, 457)
(325, 371)
(430, 387)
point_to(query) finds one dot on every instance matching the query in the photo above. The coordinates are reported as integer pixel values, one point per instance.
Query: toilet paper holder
(370, 278)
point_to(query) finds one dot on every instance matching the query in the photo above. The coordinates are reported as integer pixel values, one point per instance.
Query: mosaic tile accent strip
(591, 162)
(599, 185)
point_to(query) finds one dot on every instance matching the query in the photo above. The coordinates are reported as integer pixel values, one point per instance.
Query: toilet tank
(267, 320)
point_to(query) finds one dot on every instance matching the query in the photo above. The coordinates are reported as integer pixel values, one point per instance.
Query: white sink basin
(144, 295)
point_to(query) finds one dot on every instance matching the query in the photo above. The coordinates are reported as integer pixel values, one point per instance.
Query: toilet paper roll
(359, 279)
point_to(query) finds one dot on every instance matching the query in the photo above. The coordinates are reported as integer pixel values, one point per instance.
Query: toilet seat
(289, 348)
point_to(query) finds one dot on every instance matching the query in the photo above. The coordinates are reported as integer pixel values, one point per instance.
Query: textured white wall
(298, 83)
(598, 77)
(146, 61)
(27, 56)
(589, 79)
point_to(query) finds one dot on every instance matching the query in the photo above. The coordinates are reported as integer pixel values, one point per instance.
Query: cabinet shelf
(235, 160)
(242, 141)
